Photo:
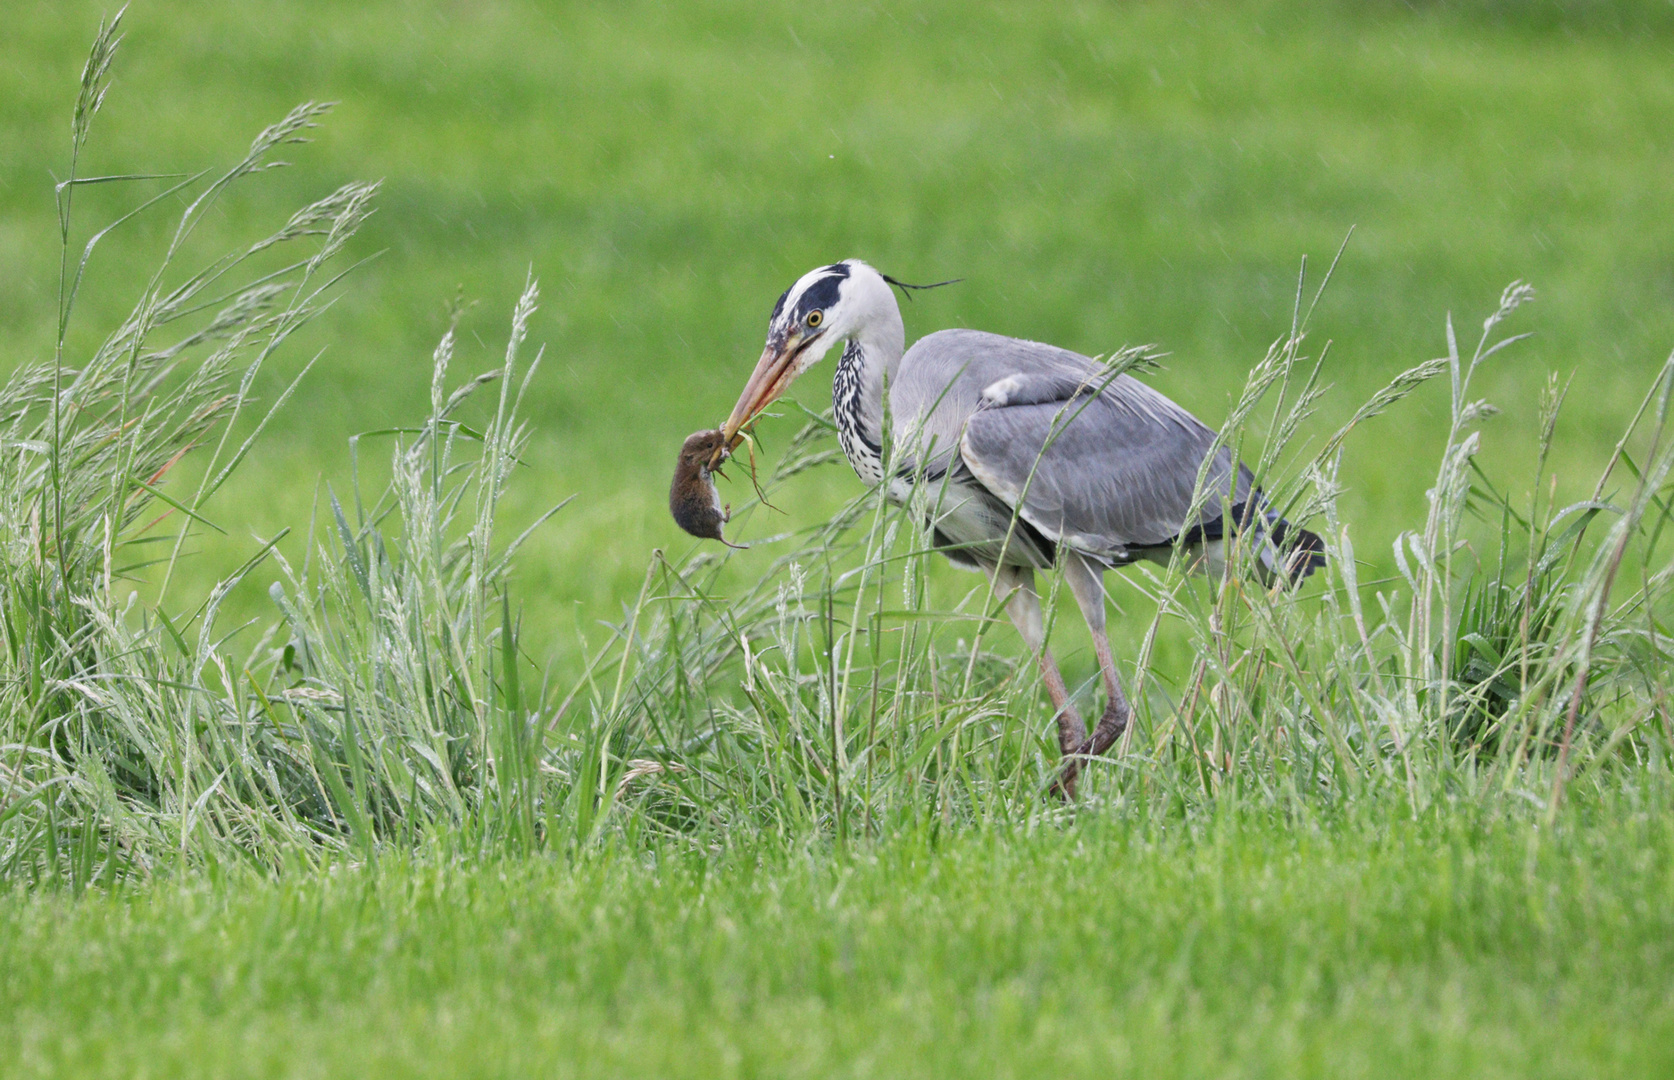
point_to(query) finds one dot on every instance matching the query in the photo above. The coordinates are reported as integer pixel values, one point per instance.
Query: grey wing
(1100, 465)
(941, 380)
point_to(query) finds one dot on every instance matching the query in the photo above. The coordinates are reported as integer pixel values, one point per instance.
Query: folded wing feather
(1101, 464)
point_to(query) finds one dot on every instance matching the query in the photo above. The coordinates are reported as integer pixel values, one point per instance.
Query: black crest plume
(904, 286)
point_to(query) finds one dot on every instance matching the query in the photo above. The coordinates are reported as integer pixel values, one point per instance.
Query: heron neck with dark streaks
(857, 405)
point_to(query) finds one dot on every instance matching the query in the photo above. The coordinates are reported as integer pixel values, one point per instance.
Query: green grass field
(1117, 947)
(686, 873)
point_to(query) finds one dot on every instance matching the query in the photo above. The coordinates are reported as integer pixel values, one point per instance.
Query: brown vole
(692, 498)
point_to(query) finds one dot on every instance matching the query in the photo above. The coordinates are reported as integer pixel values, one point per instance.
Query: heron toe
(1110, 728)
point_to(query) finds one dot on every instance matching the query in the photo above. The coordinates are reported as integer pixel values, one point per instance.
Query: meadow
(380, 793)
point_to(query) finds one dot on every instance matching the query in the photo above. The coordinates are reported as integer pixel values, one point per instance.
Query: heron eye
(815, 318)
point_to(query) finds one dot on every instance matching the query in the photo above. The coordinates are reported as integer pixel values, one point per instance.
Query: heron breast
(968, 518)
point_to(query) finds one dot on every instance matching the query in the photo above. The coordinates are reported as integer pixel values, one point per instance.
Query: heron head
(824, 307)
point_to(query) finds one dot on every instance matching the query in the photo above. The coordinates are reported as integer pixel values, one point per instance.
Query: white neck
(871, 321)
(871, 355)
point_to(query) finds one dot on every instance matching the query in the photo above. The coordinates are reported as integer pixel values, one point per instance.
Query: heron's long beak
(774, 372)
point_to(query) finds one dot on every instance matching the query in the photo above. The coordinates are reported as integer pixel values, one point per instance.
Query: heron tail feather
(1300, 552)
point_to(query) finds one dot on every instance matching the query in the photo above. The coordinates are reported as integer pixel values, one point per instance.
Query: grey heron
(1038, 460)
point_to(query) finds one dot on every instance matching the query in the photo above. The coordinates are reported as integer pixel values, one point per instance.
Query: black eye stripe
(821, 294)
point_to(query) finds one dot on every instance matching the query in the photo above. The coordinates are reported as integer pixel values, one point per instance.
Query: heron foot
(1109, 728)
(1072, 734)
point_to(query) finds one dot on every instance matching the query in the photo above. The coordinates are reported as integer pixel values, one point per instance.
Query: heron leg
(1017, 584)
(1086, 581)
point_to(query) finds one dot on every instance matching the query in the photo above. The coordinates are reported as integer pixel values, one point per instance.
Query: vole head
(700, 448)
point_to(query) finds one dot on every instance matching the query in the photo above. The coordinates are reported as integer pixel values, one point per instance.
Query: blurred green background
(1097, 173)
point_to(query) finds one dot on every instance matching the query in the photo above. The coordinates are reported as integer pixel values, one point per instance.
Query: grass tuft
(830, 699)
